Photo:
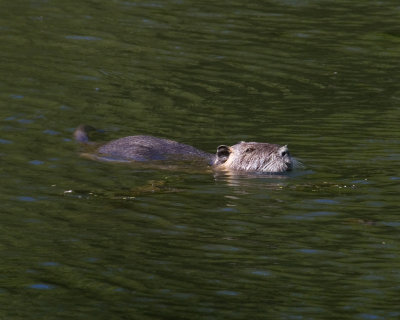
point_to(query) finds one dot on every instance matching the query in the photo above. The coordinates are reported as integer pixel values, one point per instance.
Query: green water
(88, 240)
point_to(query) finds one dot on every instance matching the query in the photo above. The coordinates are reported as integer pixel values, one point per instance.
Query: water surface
(82, 239)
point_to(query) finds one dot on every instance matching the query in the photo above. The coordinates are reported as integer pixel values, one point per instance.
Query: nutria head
(255, 157)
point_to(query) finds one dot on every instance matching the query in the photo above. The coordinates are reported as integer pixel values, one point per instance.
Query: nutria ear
(283, 150)
(223, 153)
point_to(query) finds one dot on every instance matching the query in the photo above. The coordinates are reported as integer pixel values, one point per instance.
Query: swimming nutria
(243, 156)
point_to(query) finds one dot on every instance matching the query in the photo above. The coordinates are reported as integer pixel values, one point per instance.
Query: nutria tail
(81, 133)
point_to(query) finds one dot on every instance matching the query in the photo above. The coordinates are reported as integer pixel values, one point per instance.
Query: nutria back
(144, 148)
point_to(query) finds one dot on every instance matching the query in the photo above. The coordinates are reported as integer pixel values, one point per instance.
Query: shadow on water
(174, 170)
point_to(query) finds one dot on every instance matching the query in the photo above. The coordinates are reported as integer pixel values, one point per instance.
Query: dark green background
(86, 240)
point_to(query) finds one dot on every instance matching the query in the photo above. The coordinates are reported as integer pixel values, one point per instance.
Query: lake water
(82, 239)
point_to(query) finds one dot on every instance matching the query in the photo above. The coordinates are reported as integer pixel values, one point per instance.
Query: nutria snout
(243, 156)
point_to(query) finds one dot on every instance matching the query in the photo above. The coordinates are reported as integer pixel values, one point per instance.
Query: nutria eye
(284, 153)
(248, 150)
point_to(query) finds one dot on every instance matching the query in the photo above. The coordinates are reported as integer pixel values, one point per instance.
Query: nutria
(243, 156)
